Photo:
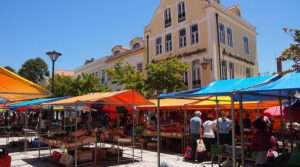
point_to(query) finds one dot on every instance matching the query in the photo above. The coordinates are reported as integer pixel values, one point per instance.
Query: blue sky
(87, 29)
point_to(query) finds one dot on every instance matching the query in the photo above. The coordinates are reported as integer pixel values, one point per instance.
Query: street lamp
(53, 56)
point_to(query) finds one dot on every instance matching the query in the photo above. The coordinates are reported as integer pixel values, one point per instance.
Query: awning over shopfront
(126, 97)
(15, 88)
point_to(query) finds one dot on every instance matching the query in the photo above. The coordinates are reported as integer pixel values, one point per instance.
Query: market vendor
(129, 126)
(43, 122)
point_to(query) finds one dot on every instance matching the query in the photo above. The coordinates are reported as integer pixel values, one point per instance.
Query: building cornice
(123, 54)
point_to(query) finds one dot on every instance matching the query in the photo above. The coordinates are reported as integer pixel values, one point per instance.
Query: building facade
(214, 40)
(133, 55)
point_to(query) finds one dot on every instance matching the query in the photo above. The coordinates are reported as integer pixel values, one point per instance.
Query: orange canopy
(125, 97)
(15, 88)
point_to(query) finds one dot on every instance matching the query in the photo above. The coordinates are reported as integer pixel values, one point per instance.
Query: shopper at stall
(247, 122)
(224, 125)
(196, 133)
(43, 122)
(209, 128)
(262, 142)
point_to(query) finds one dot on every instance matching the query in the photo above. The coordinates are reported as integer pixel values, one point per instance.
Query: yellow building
(188, 29)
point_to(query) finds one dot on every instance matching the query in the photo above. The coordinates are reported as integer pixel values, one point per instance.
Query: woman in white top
(209, 128)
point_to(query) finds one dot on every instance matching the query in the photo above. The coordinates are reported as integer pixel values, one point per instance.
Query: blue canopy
(223, 87)
(286, 86)
(36, 101)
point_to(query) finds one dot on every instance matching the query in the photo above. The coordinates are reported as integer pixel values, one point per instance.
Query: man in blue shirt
(196, 133)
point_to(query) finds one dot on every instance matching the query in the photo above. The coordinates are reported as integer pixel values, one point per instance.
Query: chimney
(279, 66)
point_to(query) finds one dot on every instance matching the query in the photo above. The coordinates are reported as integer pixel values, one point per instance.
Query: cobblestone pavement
(30, 159)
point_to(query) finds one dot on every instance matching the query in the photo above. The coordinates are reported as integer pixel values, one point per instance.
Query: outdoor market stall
(220, 88)
(120, 98)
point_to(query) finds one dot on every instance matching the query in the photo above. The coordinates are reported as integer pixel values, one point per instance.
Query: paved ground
(30, 159)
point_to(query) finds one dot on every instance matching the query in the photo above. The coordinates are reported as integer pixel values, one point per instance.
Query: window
(194, 34)
(182, 38)
(136, 45)
(221, 33)
(116, 52)
(223, 70)
(181, 12)
(97, 74)
(139, 67)
(248, 72)
(246, 48)
(168, 44)
(168, 21)
(231, 70)
(196, 76)
(229, 37)
(158, 46)
(186, 78)
(103, 76)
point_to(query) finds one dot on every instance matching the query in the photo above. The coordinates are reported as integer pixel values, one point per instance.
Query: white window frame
(139, 67)
(168, 43)
(194, 35)
(231, 70)
(167, 17)
(246, 45)
(229, 37)
(181, 12)
(248, 72)
(223, 70)
(103, 76)
(158, 46)
(222, 33)
(182, 39)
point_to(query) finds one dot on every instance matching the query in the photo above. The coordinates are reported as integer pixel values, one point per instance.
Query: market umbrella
(275, 111)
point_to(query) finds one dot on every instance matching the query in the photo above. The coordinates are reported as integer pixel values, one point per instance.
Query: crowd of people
(263, 144)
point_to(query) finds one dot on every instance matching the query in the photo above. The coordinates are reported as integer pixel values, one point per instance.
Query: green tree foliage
(34, 70)
(127, 75)
(10, 69)
(293, 52)
(166, 74)
(83, 84)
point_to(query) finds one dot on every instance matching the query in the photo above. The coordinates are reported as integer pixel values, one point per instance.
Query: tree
(10, 69)
(127, 75)
(34, 70)
(166, 74)
(293, 52)
(83, 84)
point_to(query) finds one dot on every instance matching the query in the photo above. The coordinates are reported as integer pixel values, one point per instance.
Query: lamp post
(53, 56)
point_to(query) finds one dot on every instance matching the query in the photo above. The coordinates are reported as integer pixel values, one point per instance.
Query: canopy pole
(218, 133)
(76, 109)
(132, 126)
(233, 131)
(184, 126)
(26, 124)
(158, 132)
(258, 112)
(291, 123)
(281, 124)
(242, 130)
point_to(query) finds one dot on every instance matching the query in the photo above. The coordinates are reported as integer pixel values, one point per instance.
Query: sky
(81, 30)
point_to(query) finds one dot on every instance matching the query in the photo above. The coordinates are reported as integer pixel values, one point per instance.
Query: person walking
(209, 128)
(196, 134)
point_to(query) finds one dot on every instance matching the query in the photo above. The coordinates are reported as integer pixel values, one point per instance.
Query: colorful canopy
(125, 97)
(169, 103)
(225, 102)
(222, 87)
(36, 102)
(287, 86)
(15, 88)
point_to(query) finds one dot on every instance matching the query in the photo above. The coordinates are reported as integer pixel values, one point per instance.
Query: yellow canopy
(225, 102)
(15, 88)
(169, 103)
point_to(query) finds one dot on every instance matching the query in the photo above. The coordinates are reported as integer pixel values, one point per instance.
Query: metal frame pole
(218, 133)
(281, 124)
(75, 135)
(291, 123)
(233, 131)
(133, 126)
(158, 132)
(184, 127)
(242, 130)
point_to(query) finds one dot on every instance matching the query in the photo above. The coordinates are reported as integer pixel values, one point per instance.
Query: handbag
(200, 146)
(188, 153)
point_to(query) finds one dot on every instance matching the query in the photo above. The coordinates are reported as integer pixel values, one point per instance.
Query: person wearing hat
(196, 133)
